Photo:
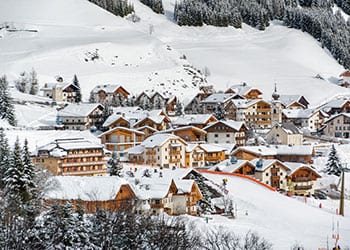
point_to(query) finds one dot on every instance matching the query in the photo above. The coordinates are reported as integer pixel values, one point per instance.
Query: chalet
(338, 126)
(157, 122)
(61, 92)
(194, 156)
(81, 116)
(165, 150)
(160, 101)
(210, 103)
(186, 198)
(213, 154)
(302, 177)
(198, 120)
(115, 95)
(115, 120)
(245, 91)
(305, 118)
(272, 172)
(188, 133)
(286, 133)
(147, 130)
(336, 106)
(255, 113)
(75, 156)
(293, 101)
(143, 100)
(194, 106)
(226, 132)
(234, 165)
(345, 79)
(110, 193)
(298, 153)
(121, 138)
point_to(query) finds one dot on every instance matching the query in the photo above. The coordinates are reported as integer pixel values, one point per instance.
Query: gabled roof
(122, 128)
(287, 100)
(135, 150)
(242, 89)
(158, 140)
(192, 119)
(147, 127)
(337, 115)
(265, 164)
(277, 150)
(51, 86)
(86, 188)
(346, 73)
(113, 118)
(211, 148)
(79, 109)
(192, 146)
(288, 128)
(201, 131)
(230, 167)
(218, 98)
(298, 113)
(108, 88)
(243, 104)
(235, 125)
(157, 119)
(336, 103)
(294, 166)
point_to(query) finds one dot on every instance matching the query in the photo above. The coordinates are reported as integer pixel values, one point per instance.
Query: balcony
(84, 155)
(174, 160)
(306, 187)
(85, 172)
(301, 179)
(76, 164)
(150, 152)
(174, 152)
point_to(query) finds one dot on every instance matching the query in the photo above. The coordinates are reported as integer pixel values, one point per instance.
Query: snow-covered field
(280, 219)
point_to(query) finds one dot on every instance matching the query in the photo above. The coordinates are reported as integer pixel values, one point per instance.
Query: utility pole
(341, 206)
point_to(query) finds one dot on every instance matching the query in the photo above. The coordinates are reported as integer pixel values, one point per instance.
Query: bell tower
(276, 108)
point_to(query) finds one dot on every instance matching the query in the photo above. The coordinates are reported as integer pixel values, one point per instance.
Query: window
(216, 135)
(227, 135)
(166, 157)
(267, 174)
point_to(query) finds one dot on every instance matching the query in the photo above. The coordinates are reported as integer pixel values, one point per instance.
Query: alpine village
(187, 164)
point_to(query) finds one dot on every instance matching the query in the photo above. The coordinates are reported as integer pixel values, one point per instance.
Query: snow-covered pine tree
(76, 83)
(33, 82)
(178, 111)
(4, 157)
(115, 167)
(7, 110)
(92, 98)
(23, 82)
(219, 112)
(155, 5)
(333, 166)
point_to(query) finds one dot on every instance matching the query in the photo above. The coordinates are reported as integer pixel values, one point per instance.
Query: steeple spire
(275, 95)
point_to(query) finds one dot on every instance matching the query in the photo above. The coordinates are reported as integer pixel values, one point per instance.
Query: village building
(121, 138)
(305, 118)
(286, 133)
(156, 100)
(147, 130)
(75, 156)
(338, 126)
(197, 120)
(293, 101)
(60, 92)
(115, 120)
(80, 116)
(297, 153)
(255, 113)
(236, 166)
(345, 79)
(336, 106)
(164, 150)
(157, 122)
(115, 95)
(210, 103)
(213, 154)
(194, 156)
(301, 178)
(188, 133)
(194, 106)
(228, 131)
(109, 193)
(244, 90)
(272, 172)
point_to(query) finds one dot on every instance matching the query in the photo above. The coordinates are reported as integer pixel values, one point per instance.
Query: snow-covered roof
(335, 103)
(212, 148)
(158, 140)
(112, 118)
(124, 129)
(294, 166)
(337, 115)
(192, 146)
(278, 150)
(287, 100)
(265, 164)
(157, 119)
(192, 119)
(87, 188)
(242, 89)
(68, 144)
(51, 86)
(79, 109)
(235, 125)
(108, 88)
(228, 166)
(288, 128)
(147, 127)
(243, 104)
(135, 150)
(218, 98)
(149, 189)
(183, 128)
(184, 186)
(298, 113)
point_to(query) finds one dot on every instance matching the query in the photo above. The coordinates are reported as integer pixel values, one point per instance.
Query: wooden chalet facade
(194, 156)
(338, 126)
(115, 95)
(188, 133)
(61, 92)
(228, 131)
(156, 122)
(121, 138)
(114, 121)
(245, 91)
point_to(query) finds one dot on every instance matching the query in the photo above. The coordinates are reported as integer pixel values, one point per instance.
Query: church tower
(276, 108)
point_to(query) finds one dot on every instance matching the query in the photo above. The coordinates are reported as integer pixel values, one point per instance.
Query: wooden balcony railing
(299, 187)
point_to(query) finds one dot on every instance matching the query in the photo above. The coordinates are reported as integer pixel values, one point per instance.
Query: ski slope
(69, 31)
(280, 219)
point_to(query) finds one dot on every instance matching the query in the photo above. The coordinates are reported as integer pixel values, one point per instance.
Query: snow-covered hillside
(70, 31)
(280, 219)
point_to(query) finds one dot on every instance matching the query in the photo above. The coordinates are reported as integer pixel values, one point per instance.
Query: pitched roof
(265, 164)
(135, 150)
(242, 89)
(79, 109)
(158, 140)
(235, 125)
(298, 113)
(287, 100)
(242, 104)
(87, 188)
(336, 103)
(212, 148)
(108, 88)
(157, 119)
(289, 128)
(112, 118)
(218, 98)
(294, 166)
(122, 128)
(228, 166)
(337, 115)
(192, 119)
(63, 85)
(202, 131)
(278, 150)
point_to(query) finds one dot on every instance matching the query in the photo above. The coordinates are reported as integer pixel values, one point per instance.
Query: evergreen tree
(333, 166)
(7, 111)
(115, 168)
(23, 82)
(155, 5)
(92, 97)
(76, 83)
(4, 157)
(107, 111)
(33, 82)
(219, 112)
(178, 111)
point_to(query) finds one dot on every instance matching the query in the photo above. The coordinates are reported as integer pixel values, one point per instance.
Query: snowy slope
(68, 30)
(281, 220)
